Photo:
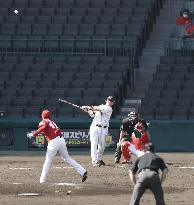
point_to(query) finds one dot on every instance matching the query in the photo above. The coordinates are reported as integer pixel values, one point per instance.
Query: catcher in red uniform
(139, 138)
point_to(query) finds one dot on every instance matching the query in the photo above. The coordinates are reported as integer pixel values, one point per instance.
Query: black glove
(137, 133)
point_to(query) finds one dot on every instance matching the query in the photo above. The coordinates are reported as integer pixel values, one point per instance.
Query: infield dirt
(106, 185)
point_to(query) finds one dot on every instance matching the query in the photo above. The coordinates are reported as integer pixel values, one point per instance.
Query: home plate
(186, 167)
(29, 194)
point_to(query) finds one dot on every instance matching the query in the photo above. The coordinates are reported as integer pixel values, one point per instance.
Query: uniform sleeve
(105, 109)
(162, 164)
(134, 168)
(42, 127)
(179, 21)
(124, 125)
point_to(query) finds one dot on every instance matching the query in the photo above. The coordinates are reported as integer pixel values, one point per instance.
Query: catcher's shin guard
(118, 154)
(125, 150)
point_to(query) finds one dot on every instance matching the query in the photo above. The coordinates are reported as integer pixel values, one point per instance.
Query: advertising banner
(6, 137)
(75, 138)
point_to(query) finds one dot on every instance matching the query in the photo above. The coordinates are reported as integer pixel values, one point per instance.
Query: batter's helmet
(46, 114)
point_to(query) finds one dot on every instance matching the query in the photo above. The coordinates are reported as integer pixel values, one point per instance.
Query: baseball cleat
(101, 163)
(84, 177)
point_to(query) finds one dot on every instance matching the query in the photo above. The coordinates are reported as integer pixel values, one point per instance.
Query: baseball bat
(74, 105)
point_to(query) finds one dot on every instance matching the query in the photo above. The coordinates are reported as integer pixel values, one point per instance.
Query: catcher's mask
(133, 115)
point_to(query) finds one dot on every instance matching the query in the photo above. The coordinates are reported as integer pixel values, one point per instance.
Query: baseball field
(106, 185)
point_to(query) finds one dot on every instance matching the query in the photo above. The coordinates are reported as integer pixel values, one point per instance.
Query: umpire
(147, 169)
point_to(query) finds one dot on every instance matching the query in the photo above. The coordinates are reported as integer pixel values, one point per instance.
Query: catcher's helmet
(133, 115)
(46, 114)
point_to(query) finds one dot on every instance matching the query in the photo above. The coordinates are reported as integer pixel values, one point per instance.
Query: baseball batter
(99, 129)
(56, 143)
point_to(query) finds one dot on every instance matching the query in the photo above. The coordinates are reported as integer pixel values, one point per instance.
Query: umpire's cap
(149, 147)
(110, 98)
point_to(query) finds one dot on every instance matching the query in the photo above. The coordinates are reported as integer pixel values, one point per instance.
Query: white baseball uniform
(99, 131)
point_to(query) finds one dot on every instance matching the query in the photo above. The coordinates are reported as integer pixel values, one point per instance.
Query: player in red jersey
(139, 138)
(56, 143)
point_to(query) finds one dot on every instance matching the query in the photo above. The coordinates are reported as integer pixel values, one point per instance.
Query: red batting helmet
(46, 114)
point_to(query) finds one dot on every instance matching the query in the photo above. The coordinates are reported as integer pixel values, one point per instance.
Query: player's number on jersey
(53, 125)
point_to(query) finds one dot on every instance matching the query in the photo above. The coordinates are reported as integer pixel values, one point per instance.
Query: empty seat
(18, 76)
(12, 93)
(102, 29)
(37, 67)
(59, 19)
(44, 19)
(63, 11)
(12, 19)
(78, 84)
(50, 76)
(13, 84)
(32, 11)
(58, 93)
(34, 76)
(94, 11)
(47, 11)
(29, 84)
(91, 92)
(6, 67)
(26, 59)
(55, 29)
(62, 84)
(41, 92)
(75, 92)
(45, 84)
(105, 92)
(10, 59)
(39, 29)
(27, 19)
(69, 76)
(37, 3)
(66, 4)
(90, 19)
(100, 3)
(54, 67)
(26, 93)
(95, 84)
(36, 102)
(24, 29)
(66, 112)
(51, 3)
(5, 43)
(4, 75)
(71, 29)
(33, 112)
(86, 29)
(16, 112)
(76, 11)
(8, 29)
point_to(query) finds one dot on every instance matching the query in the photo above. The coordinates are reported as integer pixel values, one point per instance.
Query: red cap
(46, 113)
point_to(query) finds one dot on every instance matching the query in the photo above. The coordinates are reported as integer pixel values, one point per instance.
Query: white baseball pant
(58, 144)
(98, 142)
(135, 151)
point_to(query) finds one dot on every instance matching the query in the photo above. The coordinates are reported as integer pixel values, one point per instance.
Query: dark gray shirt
(148, 161)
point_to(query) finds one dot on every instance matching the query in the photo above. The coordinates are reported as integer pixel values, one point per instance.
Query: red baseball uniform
(56, 143)
(183, 21)
(49, 129)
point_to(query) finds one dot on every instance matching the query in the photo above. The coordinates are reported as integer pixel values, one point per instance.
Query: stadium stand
(79, 50)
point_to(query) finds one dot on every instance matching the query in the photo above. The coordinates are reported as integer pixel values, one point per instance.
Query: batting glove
(29, 135)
